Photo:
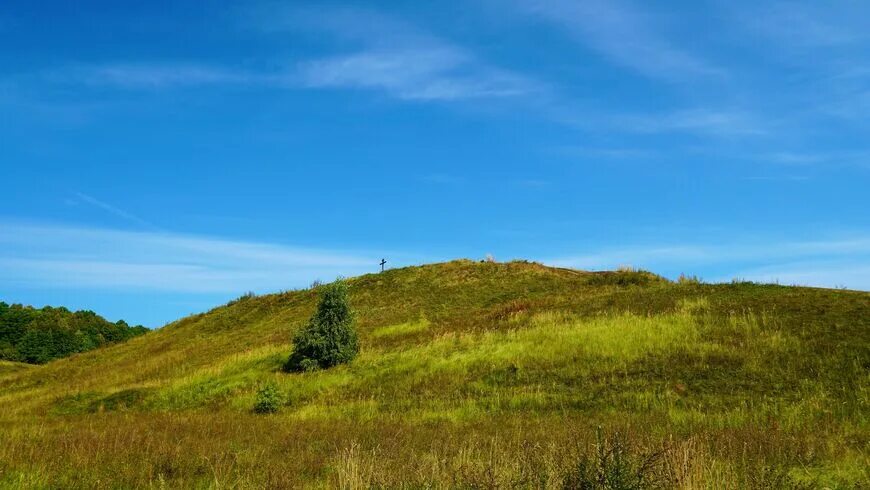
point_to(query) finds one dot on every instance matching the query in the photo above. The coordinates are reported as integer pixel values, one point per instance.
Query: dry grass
(476, 375)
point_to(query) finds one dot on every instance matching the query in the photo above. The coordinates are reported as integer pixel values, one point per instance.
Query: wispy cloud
(746, 260)
(410, 72)
(377, 53)
(819, 273)
(808, 24)
(59, 257)
(116, 211)
(622, 34)
(709, 122)
(702, 121)
(856, 158)
(392, 56)
(421, 73)
(154, 75)
(823, 46)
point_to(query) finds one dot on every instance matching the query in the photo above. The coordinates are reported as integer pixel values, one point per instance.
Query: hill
(475, 375)
(12, 366)
(36, 336)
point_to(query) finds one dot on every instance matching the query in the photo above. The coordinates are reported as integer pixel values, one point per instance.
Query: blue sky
(160, 158)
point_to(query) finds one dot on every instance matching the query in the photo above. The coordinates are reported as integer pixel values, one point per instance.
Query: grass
(7, 367)
(407, 328)
(476, 375)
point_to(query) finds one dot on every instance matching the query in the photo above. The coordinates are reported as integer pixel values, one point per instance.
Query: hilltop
(470, 374)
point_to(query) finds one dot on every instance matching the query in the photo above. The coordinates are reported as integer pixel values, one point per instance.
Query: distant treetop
(36, 336)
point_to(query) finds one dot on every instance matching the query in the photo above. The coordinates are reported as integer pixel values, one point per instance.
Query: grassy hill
(475, 375)
(12, 367)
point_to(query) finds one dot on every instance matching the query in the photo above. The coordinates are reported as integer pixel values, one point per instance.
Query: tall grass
(474, 375)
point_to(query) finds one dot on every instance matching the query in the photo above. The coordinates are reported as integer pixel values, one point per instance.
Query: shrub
(614, 466)
(269, 398)
(689, 280)
(329, 338)
(244, 297)
(623, 278)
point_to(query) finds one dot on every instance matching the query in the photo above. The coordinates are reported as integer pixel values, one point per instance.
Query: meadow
(470, 375)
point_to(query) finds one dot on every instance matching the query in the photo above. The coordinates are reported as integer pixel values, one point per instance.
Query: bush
(689, 280)
(624, 277)
(614, 467)
(269, 398)
(329, 338)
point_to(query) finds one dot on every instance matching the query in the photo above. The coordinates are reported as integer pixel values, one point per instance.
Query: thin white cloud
(806, 24)
(824, 273)
(63, 257)
(823, 46)
(833, 158)
(702, 121)
(753, 259)
(418, 73)
(378, 53)
(411, 73)
(154, 75)
(159, 76)
(392, 56)
(641, 255)
(637, 256)
(114, 210)
(622, 34)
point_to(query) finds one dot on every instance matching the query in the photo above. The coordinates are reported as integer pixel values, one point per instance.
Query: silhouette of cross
(383, 261)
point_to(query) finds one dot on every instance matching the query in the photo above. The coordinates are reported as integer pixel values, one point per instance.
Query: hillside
(12, 366)
(39, 335)
(473, 375)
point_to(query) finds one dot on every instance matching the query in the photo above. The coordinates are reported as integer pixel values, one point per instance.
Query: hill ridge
(459, 353)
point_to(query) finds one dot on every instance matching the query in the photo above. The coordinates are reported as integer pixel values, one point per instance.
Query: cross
(383, 261)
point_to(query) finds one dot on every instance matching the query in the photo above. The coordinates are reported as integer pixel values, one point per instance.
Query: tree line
(36, 336)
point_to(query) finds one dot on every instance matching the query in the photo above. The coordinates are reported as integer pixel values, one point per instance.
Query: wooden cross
(383, 261)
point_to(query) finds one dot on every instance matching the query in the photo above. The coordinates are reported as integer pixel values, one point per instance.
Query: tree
(329, 338)
(36, 346)
(13, 322)
(40, 335)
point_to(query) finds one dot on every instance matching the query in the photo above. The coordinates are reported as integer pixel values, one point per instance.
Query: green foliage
(245, 297)
(687, 280)
(614, 467)
(37, 336)
(625, 277)
(329, 338)
(474, 375)
(269, 398)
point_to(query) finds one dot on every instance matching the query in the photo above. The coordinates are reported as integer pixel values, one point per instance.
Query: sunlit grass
(469, 375)
(406, 328)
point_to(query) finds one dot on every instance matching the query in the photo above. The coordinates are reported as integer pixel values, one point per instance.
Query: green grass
(401, 329)
(12, 367)
(472, 375)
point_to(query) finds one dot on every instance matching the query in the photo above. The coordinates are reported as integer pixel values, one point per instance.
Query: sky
(160, 158)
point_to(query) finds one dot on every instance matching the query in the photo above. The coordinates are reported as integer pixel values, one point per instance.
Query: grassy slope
(12, 367)
(470, 374)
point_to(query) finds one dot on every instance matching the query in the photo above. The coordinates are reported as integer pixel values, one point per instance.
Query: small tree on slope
(329, 338)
